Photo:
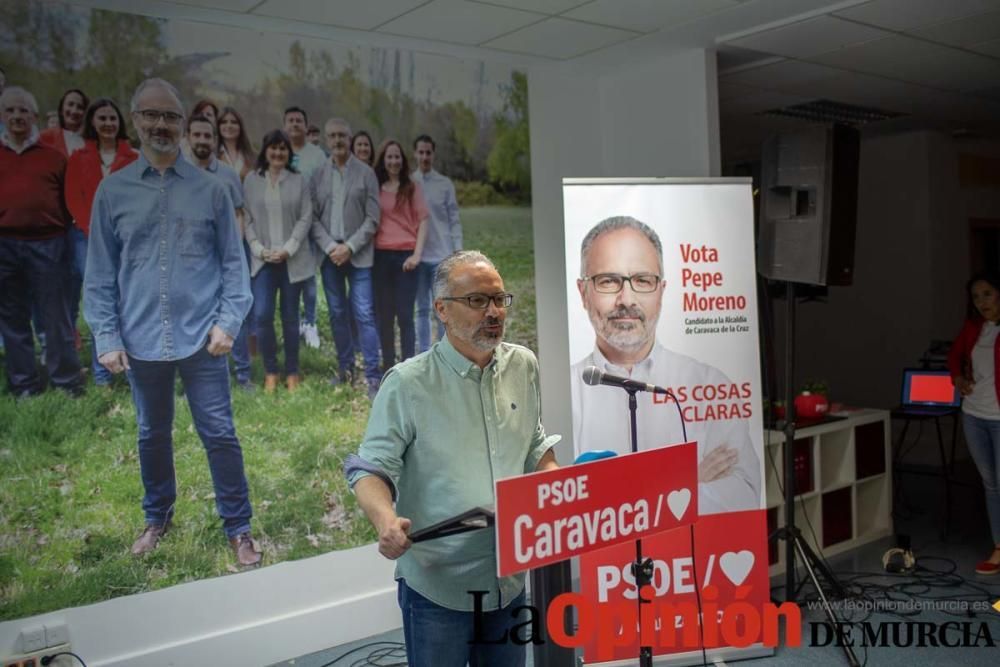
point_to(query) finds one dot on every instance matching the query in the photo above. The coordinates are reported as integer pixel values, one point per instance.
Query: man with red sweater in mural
(34, 251)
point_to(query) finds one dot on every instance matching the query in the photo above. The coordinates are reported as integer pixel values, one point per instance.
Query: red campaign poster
(548, 517)
(729, 566)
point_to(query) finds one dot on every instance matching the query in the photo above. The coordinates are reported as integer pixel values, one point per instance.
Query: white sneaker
(311, 335)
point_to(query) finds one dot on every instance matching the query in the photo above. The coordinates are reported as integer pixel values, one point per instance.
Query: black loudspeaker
(809, 205)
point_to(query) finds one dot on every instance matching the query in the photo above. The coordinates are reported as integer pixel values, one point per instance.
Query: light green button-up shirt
(443, 431)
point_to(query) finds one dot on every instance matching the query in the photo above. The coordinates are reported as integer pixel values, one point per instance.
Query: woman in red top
(399, 243)
(106, 150)
(66, 138)
(974, 362)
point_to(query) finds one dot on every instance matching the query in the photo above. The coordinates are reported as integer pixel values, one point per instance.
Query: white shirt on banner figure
(621, 288)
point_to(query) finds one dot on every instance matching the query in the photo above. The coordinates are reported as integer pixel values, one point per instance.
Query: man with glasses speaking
(621, 287)
(444, 426)
(166, 290)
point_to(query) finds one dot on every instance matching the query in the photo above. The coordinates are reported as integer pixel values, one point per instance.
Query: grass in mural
(69, 474)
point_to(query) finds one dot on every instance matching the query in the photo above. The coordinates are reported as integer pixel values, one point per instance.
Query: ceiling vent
(828, 111)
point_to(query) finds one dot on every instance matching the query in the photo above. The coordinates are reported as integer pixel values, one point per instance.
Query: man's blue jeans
(206, 385)
(436, 636)
(425, 306)
(983, 437)
(78, 245)
(309, 300)
(102, 376)
(270, 282)
(350, 287)
(36, 273)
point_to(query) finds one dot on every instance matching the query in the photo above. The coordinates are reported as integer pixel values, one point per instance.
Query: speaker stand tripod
(795, 545)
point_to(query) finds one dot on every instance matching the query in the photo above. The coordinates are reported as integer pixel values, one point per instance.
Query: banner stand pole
(795, 544)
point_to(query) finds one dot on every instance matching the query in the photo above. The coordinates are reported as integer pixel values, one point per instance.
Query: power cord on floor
(385, 651)
(47, 660)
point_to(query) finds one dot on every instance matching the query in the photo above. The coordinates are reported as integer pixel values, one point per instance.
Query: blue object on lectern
(594, 455)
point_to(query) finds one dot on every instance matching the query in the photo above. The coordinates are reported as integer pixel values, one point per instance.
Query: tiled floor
(920, 514)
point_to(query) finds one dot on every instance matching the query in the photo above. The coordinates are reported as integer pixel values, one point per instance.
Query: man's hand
(340, 254)
(717, 464)
(392, 538)
(116, 361)
(219, 342)
(411, 262)
(964, 385)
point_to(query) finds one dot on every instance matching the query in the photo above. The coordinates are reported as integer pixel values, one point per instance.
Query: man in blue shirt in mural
(203, 140)
(444, 235)
(166, 291)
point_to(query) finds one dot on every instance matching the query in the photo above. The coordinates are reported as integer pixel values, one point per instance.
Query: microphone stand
(642, 568)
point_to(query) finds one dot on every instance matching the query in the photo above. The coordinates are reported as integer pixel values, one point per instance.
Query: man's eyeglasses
(151, 116)
(482, 301)
(612, 283)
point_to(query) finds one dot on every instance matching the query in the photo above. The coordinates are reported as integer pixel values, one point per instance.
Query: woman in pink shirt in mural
(399, 243)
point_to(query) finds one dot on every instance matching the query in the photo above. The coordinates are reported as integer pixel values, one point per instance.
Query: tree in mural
(510, 160)
(49, 47)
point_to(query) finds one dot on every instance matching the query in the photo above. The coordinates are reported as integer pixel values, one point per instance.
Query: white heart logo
(737, 565)
(678, 502)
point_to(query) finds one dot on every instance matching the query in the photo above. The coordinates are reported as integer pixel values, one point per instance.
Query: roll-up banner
(661, 288)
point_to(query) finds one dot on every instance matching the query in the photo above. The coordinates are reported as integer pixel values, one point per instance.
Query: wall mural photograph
(75, 491)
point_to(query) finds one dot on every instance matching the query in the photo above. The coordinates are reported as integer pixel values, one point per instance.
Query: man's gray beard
(486, 343)
(153, 145)
(625, 340)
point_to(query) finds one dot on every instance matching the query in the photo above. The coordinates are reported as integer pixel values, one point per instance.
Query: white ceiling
(936, 60)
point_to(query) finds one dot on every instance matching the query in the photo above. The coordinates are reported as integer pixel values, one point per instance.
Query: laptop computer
(928, 392)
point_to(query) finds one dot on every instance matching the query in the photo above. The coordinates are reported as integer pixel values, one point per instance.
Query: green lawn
(69, 478)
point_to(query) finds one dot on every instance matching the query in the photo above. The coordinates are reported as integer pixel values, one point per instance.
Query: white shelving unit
(845, 483)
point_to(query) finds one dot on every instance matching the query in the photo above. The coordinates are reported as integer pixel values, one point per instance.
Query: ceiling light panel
(343, 13)
(963, 32)
(459, 22)
(783, 74)
(917, 61)
(907, 14)
(647, 15)
(560, 38)
(227, 5)
(809, 38)
(549, 7)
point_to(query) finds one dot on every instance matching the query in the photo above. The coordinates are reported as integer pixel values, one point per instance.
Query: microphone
(594, 376)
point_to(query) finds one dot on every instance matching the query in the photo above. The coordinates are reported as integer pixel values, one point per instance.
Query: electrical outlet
(56, 633)
(32, 639)
(34, 658)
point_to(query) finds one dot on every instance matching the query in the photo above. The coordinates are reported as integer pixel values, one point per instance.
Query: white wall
(656, 118)
(251, 618)
(860, 339)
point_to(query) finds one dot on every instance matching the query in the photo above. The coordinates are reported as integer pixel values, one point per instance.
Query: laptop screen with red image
(929, 388)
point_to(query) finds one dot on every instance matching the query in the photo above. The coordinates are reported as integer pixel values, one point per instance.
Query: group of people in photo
(183, 250)
(307, 201)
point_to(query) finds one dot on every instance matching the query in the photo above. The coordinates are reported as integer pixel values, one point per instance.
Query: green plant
(816, 387)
